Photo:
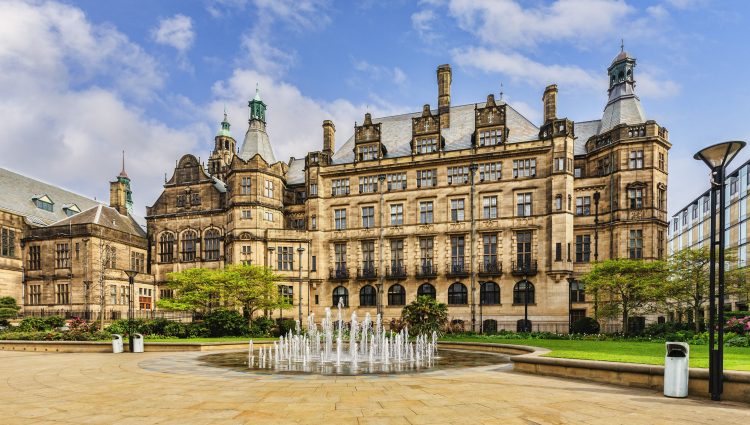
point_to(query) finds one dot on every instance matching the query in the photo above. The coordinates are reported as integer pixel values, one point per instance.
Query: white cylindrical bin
(676, 369)
(137, 343)
(116, 343)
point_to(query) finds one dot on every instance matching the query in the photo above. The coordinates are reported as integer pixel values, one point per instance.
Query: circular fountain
(334, 348)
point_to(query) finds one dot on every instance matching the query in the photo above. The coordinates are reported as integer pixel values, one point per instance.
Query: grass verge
(735, 358)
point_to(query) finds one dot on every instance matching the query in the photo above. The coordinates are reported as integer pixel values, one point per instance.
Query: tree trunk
(696, 323)
(625, 329)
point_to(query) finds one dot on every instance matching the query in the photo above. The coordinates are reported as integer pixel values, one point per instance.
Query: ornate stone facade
(470, 203)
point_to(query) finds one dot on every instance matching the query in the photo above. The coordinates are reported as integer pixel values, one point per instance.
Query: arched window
(427, 290)
(367, 296)
(520, 292)
(457, 294)
(340, 294)
(489, 326)
(396, 295)
(489, 293)
(166, 247)
(523, 326)
(212, 240)
(188, 245)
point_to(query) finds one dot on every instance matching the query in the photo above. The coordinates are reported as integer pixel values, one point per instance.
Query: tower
(120, 195)
(224, 148)
(256, 139)
(623, 106)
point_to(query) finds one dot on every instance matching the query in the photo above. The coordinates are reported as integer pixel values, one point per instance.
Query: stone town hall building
(470, 204)
(465, 203)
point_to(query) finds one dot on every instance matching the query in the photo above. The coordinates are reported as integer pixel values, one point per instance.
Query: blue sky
(82, 80)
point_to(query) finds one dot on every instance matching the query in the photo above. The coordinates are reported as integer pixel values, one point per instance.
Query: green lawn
(735, 358)
(221, 339)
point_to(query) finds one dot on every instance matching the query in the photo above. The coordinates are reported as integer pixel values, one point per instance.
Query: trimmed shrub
(285, 325)
(585, 326)
(223, 322)
(31, 324)
(261, 326)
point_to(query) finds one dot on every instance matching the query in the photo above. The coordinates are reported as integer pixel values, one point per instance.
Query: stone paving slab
(176, 388)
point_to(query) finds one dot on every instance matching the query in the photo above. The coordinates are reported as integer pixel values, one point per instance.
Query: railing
(111, 314)
(490, 268)
(367, 273)
(458, 268)
(426, 271)
(524, 268)
(395, 272)
(338, 274)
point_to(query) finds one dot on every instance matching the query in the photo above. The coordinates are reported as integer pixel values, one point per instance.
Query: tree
(687, 285)
(425, 315)
(253, 288)
(245, 287)
(195, 290)
(8, 308)
(626, 286)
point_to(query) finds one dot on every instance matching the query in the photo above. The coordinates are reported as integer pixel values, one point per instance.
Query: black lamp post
(717, 157)
(526, 326)
(131, 281)
(300, 250)
(597, 196)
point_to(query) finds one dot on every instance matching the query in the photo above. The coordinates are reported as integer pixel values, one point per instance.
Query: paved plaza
(175, 388)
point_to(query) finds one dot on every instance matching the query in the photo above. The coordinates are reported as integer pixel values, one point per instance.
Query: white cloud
(521, 68)
(57, 131)
(296, 15)
(286, 105)
(176, 31)
(650, 85)
(687, 4)
(423, 23)
(49, 45)
(508, 23)
(378, 72)
(221, 8)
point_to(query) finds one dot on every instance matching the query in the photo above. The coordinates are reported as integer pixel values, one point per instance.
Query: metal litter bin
(676, 369)
(137, 343)
(116, 343)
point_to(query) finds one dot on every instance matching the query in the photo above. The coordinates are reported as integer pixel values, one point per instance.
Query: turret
(120, 195)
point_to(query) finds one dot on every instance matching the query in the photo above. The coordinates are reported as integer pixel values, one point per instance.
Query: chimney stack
(329, 137)
(444, 95)
(550, 103)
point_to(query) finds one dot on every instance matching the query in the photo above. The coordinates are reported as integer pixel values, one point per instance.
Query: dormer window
(427, 145)
(367, 153)
(490, 137)
(71, 210)
(43, 202)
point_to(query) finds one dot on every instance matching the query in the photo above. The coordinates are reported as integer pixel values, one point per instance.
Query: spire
(622, 45)
(623, 106)
(123, 174)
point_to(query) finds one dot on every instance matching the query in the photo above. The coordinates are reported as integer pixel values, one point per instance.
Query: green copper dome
(224, 129)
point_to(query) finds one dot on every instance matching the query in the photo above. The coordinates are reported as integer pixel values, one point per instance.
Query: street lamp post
(300, 250)
(131, 281)
(717, 157)
(597, 196)
(526, 326)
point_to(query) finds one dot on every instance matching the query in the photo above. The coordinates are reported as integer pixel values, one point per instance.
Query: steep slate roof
(296, 172)
(256, 142)
(396, 132)
(105, 216)
(584, 130)
(624, 110)
(17, 192)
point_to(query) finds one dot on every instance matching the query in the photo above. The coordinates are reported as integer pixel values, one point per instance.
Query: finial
(225, 111)
(501, 91)
(622, 44)
(123, 173)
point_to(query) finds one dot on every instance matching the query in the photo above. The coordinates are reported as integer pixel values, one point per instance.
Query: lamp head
(720, 155)
(131, 273)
